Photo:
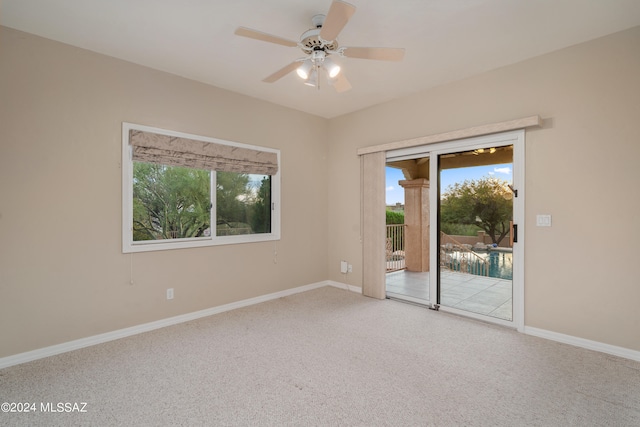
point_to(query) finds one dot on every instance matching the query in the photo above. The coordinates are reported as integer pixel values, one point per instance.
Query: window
(182, 191)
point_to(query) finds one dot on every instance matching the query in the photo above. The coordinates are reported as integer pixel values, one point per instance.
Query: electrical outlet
(350, 268)
(170, 293)
(343, 267)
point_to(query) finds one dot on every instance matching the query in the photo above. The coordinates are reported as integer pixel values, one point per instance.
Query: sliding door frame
(433, 151)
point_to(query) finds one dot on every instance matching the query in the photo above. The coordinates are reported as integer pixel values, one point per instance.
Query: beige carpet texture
(326, 357)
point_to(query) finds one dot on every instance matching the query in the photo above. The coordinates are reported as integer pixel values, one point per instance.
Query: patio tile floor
(478, 294)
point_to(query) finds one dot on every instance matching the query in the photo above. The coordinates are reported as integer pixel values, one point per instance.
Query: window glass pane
(243, 203)
(170, 202)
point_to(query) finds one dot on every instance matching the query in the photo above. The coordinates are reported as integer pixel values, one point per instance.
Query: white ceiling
(445, 40)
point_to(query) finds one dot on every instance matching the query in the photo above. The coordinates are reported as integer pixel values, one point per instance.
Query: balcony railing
(456, 256)
(395, 247)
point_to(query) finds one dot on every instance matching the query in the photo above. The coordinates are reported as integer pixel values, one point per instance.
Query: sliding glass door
(453, 211)
(476, 212)
(408, 230)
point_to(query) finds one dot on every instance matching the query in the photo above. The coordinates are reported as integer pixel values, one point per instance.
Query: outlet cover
(343, 266)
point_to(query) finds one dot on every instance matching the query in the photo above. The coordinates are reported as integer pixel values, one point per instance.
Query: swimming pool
(500, 263)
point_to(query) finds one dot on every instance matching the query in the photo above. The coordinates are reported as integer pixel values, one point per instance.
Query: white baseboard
(584, 343)
(146, 327)
(356, 289)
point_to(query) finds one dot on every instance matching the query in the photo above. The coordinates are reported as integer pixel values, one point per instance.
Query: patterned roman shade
(175, 151)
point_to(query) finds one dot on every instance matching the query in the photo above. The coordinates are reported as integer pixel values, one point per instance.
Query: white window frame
(129, 246)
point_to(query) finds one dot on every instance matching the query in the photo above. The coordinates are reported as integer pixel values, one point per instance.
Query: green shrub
(395, 217)
(455, 229)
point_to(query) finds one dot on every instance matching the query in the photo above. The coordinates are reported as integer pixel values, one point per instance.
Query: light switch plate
(543, 220)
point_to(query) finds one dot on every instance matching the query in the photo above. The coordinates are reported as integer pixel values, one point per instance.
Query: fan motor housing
(311, 40)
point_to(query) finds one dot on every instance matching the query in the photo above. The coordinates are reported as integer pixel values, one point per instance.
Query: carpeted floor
(328, 357)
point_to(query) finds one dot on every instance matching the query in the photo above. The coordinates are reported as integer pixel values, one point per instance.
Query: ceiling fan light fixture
(312, 80)
(332, 68)
(320, 42)
(304, 70)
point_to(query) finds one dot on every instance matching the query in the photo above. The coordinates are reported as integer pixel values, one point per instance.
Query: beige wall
(62, 272)
(581, 167)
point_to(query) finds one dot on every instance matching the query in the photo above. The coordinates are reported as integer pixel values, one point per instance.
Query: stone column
(416, 217)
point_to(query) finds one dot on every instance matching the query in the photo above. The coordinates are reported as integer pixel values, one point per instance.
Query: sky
(395, 193)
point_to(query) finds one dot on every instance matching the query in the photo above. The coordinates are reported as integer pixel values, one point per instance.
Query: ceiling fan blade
(259, 35)
(281, 72)
(379, 53)
(337, 17)
(341, 84)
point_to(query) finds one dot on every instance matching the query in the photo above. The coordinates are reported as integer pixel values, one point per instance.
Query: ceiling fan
(319, 45)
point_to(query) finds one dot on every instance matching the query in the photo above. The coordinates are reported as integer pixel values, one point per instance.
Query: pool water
(500, 264)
